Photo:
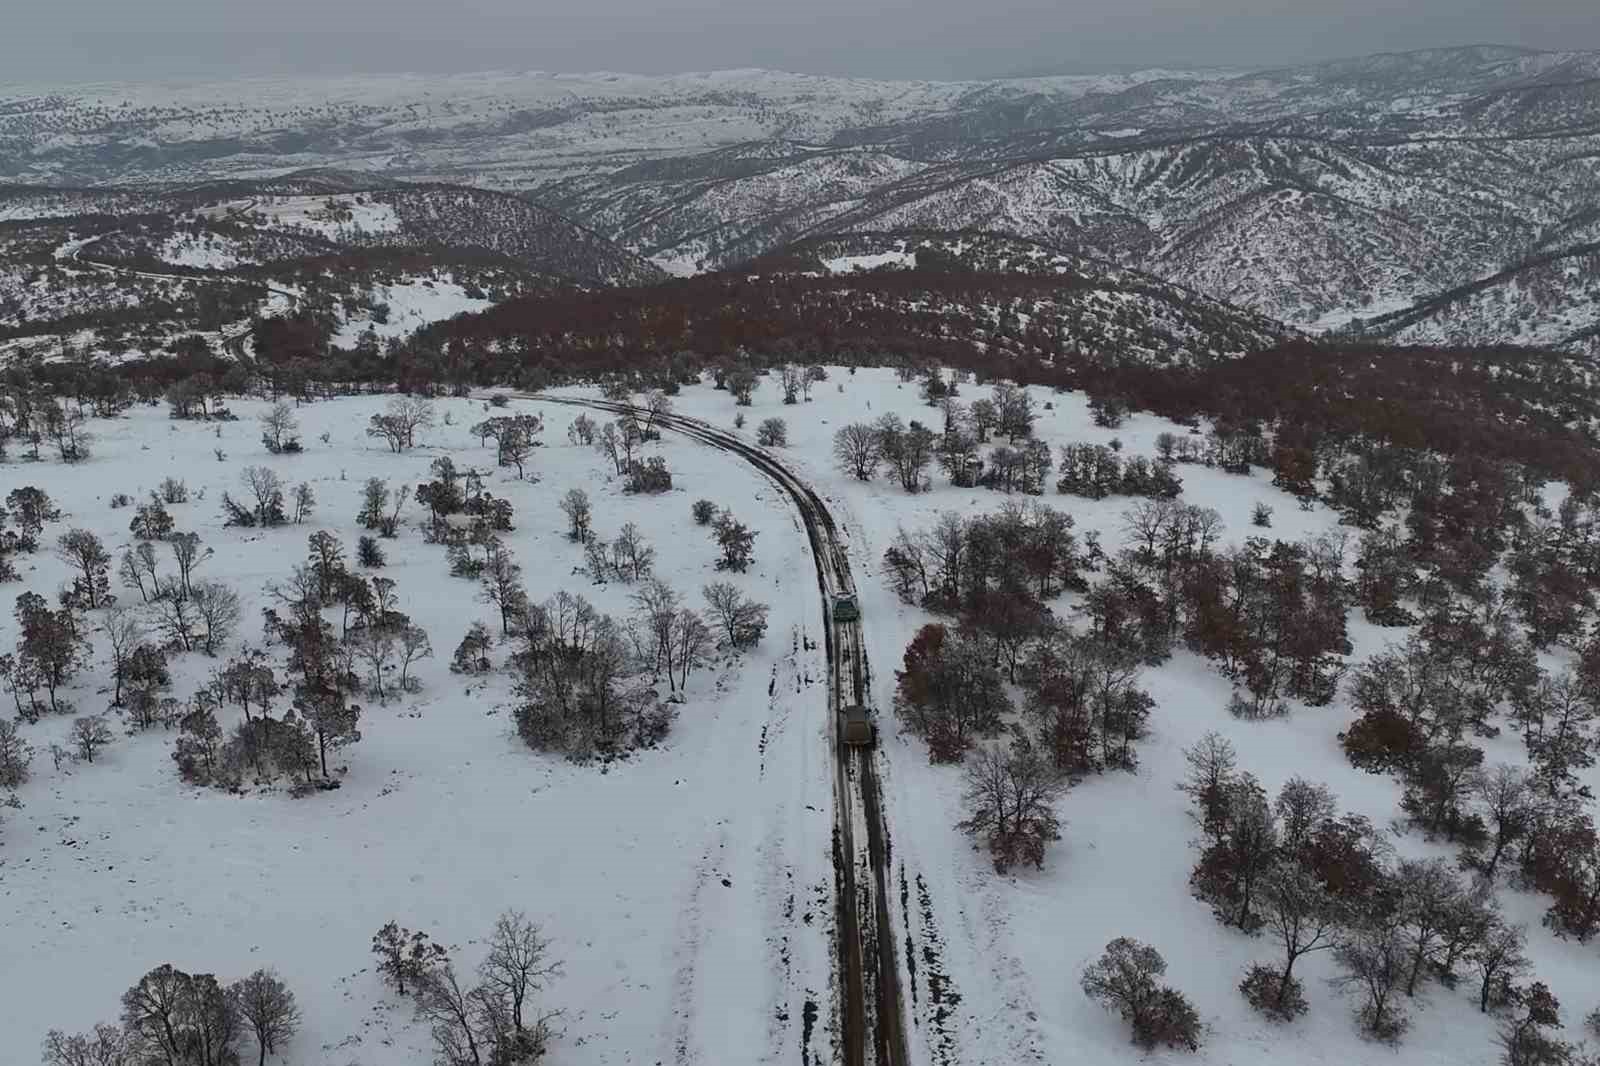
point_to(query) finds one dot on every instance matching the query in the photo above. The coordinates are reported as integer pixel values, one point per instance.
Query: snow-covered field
(412, 305)
(688, 888)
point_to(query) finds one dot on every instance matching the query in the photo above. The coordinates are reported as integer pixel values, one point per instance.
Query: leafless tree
(218, 608)
(1304, 917)
(177, 617)
(124, 631)
(582, 430)
(743, 622)
(792, 379)
(305, 502)
(375, 645)
(631, 556)
(414, 647)
(187, 554)
(691, 641)
(106, 1045)
(1127, 979)
(138, 570)
(1500, 958)
(612, 443)
(266, 1005)
(1507, 797)
(1010, 801)
(502, 586)
(266, 487)
(575, 505)
(519, 962)
(857, 450)
(90, 734)
(83, 551)
(772, 433)
(1373, 954)
(657, 604)
(279, 427)
(657, 404)
(15, 754)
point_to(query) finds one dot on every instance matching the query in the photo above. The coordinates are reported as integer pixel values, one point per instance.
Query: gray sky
(75, 40)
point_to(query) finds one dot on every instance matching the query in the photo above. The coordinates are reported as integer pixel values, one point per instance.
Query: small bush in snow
(704, 511)
(1124, 978)
(1261, 990)
(121, 499)
(472, 654)
(369, 553)
(773, 433)
(1261, 515)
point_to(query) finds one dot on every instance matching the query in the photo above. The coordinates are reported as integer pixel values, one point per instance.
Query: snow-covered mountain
(1325, 196)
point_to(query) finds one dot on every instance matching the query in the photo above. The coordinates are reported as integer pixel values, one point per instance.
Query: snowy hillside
(687, 887)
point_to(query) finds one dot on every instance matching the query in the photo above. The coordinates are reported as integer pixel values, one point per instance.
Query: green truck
(845, 608)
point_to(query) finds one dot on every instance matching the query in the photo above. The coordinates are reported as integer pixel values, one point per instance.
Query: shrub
(704, 512)
(369, 553)
(174, 491)
(650, 476)
(121, 499)
(1124, 978)
(1260, 988)
(773, 433)
(1261, 516)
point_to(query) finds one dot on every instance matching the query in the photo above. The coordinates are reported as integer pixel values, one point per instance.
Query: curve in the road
(869, 1020)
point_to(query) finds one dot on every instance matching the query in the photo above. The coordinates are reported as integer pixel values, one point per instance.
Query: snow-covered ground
(1013, 947)
(846, 264)
(688, 888)
(324, 215)
(412, 304)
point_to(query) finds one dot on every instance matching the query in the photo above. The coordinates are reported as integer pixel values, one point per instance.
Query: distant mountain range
(1438, 196)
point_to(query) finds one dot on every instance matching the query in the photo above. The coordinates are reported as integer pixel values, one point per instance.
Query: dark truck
(845, 608)
(855, 727)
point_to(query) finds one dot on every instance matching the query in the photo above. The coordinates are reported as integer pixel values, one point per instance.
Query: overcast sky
(76, 40)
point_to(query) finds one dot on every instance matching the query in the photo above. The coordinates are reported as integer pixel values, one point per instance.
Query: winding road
(870, 1009)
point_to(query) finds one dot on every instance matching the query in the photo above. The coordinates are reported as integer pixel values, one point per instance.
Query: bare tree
(1010, 801)
(375, 645)
(82, 550)
(138, 570)
(632, 558)
(279, 428)
(414, 647)
(404, 955)
(1507, 797)
(1305, 918)
(743, 622)
(15, 754)
(857, 451)
(1374, 957)
(1126, 978)
(90, 734)
(106, 1045)
(218, 608)
(186, 553)
(657, 604)
(1500, 958)
(772, 433)
(502, 585)
(519, 962)
(124, 631)
(374, 500)
(575, 505)
(267, 1006)
(691, 641)
(305, 502)
(266, 488)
